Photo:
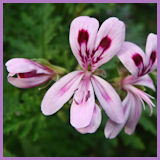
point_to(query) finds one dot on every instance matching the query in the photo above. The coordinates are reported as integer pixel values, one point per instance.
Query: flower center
(89, 67)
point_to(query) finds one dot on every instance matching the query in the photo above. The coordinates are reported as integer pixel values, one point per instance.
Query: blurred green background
(41, 31)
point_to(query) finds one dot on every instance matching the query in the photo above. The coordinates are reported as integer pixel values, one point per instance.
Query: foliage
(41, 31)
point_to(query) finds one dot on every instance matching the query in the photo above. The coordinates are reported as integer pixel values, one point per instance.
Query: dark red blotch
(83, 36)
(105, 43)
(153, 56)
(30, 74)
(137, 58)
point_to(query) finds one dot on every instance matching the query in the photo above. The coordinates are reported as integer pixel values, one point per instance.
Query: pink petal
(83, 105)
(109, 99)
(134, 115)
(109, 39)
(112, 129)
(28, 82)
(132, 58)
(23, 65)
(141, 95)
(151, 51)
(94, 123)
(60, 92)
(83, 31)
(143, 81)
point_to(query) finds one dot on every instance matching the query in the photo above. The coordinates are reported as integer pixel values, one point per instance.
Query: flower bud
(25, 73)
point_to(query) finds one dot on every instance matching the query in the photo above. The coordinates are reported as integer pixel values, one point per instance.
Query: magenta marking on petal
(27, 75)
(153, 56)
(64, 88)
(105, 95)
(103, 91)
(151, 62)
(87, 96)
(87, 52)
(30, 74)
(105, 43)
(83, 36)
(97, 59)
(82, 57)
(137, 58)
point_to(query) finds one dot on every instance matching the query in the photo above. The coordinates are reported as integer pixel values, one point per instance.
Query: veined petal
(95, 122)
(151, 51)
(109, 39)
(132, 57)
(82, 36)
(28, 82)
(134, 115)
(109, 99)
(60, 92)
(112, 129)
(83, 104)
(141, 95)
(23, 65)
(143, 81)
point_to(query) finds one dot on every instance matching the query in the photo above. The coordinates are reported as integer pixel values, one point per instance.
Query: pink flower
(135, 60)
(139, 64)
(25, 73)
(92, 48)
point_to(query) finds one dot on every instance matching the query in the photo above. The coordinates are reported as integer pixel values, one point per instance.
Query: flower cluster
(93, 46)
